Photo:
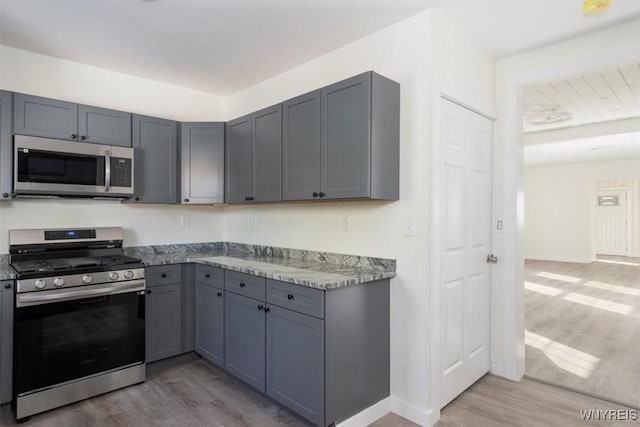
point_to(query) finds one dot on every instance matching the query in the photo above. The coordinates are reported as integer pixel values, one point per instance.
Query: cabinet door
(295, 362)
(239, 165)
(301, 147)
(346, 138)
(210, 323)
(244, 335)
(163, 322)
(44, 117)
(103, 126)
(266, 126)
(156, 159)
(202, 147)
(6, 145)
(6, 341)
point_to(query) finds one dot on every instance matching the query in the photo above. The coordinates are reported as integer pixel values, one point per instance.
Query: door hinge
(492, 259)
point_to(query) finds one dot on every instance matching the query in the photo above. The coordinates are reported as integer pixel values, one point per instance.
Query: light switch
(185, 221)
(346, 223)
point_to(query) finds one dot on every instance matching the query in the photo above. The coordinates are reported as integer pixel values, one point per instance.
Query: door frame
(435, 258)
(599, 50)
(629, 225)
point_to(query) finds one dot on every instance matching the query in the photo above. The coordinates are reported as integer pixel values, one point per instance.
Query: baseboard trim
(414, 414)
(559, 259)
(369, 415)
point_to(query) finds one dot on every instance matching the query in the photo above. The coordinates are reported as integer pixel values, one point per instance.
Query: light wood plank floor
(582, 326)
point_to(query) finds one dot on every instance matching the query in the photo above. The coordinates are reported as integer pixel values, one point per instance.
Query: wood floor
(582, 325)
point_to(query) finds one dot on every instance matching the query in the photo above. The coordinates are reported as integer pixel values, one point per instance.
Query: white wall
(559, 201)
(32, 73)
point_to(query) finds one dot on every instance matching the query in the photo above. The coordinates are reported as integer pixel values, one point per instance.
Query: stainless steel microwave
(51, 167)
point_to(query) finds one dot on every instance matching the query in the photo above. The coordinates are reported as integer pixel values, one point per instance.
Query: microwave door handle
(107, 171)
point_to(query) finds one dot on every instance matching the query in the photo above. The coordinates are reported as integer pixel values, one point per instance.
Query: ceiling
(222, 46)
(595, 97)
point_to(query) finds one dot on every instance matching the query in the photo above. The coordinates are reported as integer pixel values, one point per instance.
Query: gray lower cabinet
(342, 142)
(202, 148)
(254, 157)
(155, 142)
(52, 118)
(6, 145)
(210, 323)
(295, 362)
(6, 340)
(163, 322)
(244, 339)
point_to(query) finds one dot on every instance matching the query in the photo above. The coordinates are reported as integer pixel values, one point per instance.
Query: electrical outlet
(410, 226)
(346, 223)
(185, 221)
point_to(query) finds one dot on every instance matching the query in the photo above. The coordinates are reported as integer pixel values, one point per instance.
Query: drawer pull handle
(148, 291)
(7, 286)
(242, 285)
(163, 275)
(207, 275)
(261, 307)
(267, 309)
(290, 296)
(219, 294)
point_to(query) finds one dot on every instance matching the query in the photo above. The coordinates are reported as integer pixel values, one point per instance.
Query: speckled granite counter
(6, 272)
(321, 270)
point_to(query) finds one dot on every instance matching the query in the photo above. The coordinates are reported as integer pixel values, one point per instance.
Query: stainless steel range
(79, 318)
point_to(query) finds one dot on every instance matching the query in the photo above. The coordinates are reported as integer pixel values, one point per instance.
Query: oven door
(60, 341)
(53, 167)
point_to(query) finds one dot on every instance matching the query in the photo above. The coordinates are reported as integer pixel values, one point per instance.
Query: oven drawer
(298, 298)
(163, 274)
(210, 275)
(245, 284)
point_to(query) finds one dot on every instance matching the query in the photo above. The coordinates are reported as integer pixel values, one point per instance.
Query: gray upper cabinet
(210, 323)
(156, 160)
(103, 126)
(6, 341)
(254, 156)
(301, 148)
(244, 345)
(163, 322)
(6, 145)
(51, 118)
(239, 161)
(342, 142)
(202, 148)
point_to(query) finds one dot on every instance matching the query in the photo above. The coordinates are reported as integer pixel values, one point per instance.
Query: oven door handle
(48, 297)
(107, 171)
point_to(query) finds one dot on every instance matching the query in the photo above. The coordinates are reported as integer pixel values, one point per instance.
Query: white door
(465, 286)
(611, 222)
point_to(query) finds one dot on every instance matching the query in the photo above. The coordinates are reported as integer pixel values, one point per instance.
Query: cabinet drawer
(245, 284)
(209, 275)
(163, 274)
(295, 297)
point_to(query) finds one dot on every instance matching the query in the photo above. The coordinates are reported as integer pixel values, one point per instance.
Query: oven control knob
(113, 275)
(59, 282)
(87, 278)
(40, 284)
(128, 274)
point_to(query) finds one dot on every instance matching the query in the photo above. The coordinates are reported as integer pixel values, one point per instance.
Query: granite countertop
(320, 270)
(6, 272)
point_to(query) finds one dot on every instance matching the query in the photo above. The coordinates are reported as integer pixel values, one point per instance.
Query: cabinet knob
(290, 296)
(7, 285)
(148, 291)
(136, 198)
(83, 137)
(163, 275)
(321, 194)
(315, 194)
(74, 136)
(242, 285)
(5, 195)
(219, 294)
(207, 275)
(260, 307)
(186, 200)
(267, 309)
(249, 198)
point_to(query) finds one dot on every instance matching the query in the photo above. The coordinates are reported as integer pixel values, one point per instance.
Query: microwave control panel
(121, 172)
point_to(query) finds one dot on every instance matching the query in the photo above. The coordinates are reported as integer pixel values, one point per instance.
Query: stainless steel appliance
(79, 325)
(55, 168)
